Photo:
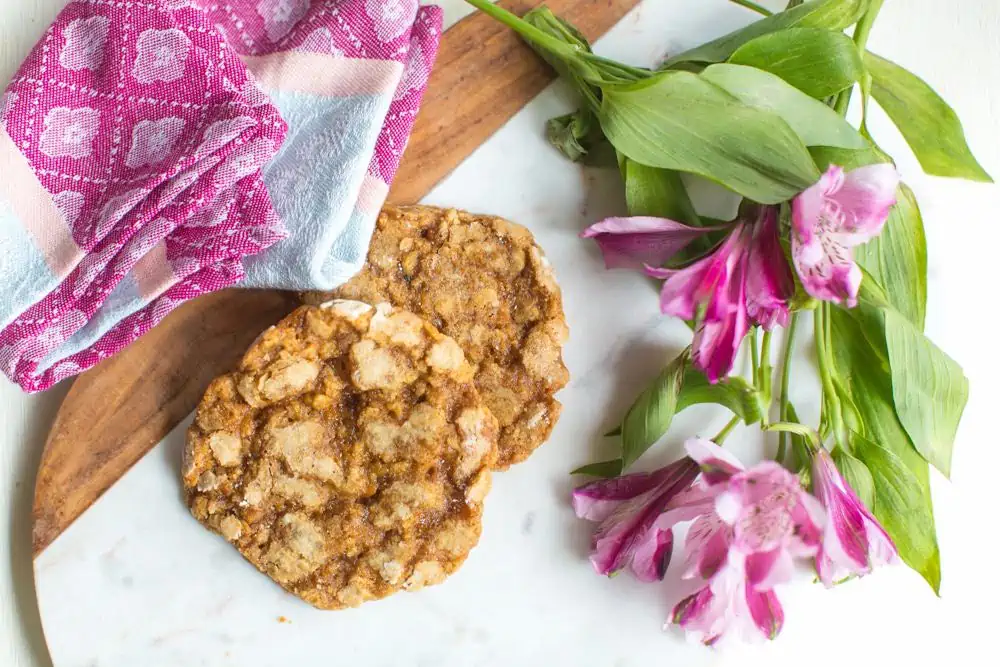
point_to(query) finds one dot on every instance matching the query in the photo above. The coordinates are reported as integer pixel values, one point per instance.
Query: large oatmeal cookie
(483, 281)
(348, 457)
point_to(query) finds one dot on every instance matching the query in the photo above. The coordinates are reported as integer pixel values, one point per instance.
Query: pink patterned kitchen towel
(155, 150)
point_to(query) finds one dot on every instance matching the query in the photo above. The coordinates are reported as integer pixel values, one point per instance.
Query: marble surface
(137, 582)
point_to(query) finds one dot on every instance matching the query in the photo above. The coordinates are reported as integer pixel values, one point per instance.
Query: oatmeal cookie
(348, 457)
(483, 281)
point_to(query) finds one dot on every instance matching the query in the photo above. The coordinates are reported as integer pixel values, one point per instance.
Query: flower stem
(754, 355)
(864, 28)
(786, 370)
(861, 33)
(569, 54)
(765, 365)
(811, 436)
(721, 436)
(753, 6)
(824, 354)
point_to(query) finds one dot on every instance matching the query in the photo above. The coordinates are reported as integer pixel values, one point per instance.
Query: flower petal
(596, 500)
(866, 196)
(692, 608)
(809, 205)
(881, 549)
(717, 341)
(706, 547)
(769, 278)
(652, 554)
(636, 241)
(767, 569)
(629, 525)
(853, 540)
(706, 452)
(685, 290)
(703, 283)
(717, 465)
(834, 215)
(716, 344)
(765, 608)
(809, 519)
(827, 269)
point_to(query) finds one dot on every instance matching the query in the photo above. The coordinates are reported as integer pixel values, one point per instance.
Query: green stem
(754, 356)
(864, 28)
(862, 31)
(786, 370)
(721, 436)
(621, 70)
(811, 436)
(753, 6)
(824, 354)
(766, 371)
(559, 48)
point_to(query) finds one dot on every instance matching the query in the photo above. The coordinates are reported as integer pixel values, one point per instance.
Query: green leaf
(928, 388)
(897, 258)
(814, 122)
(651, 414)
(857, 475)
(819, 62)
(929, 125)
(849, 159)
(677, 388)
(733, 393)
(657, 192)
(903, 507)
(830, 14)
(861, 362)
(679, 121)
(574, 134)
(611, 468)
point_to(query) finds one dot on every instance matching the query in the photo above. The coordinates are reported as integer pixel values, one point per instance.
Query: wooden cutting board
(116, 412)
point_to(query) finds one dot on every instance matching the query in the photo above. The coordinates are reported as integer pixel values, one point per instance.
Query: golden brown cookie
(483, 281)
(348, 457)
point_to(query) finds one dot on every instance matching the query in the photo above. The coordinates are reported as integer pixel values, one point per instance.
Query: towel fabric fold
(152, 151)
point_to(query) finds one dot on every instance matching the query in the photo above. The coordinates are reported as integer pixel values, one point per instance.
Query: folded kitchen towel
(155, 150)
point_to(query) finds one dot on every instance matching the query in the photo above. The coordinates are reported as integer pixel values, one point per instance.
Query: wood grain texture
(116, 412)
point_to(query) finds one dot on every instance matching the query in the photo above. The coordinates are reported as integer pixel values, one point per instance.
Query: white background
(956, 47)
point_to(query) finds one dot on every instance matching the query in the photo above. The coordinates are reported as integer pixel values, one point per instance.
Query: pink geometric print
(144, 126)
(398, 30)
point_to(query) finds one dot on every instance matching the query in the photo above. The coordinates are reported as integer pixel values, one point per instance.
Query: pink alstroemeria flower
(762, 520)
(745, 280)
(637, 513)
(854, 542)
(839, 212)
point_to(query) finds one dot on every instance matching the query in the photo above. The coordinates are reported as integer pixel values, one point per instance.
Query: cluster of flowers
(750, 526)
(746, 279)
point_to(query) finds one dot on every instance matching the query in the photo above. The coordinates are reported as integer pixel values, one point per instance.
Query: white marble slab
(136, 582)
